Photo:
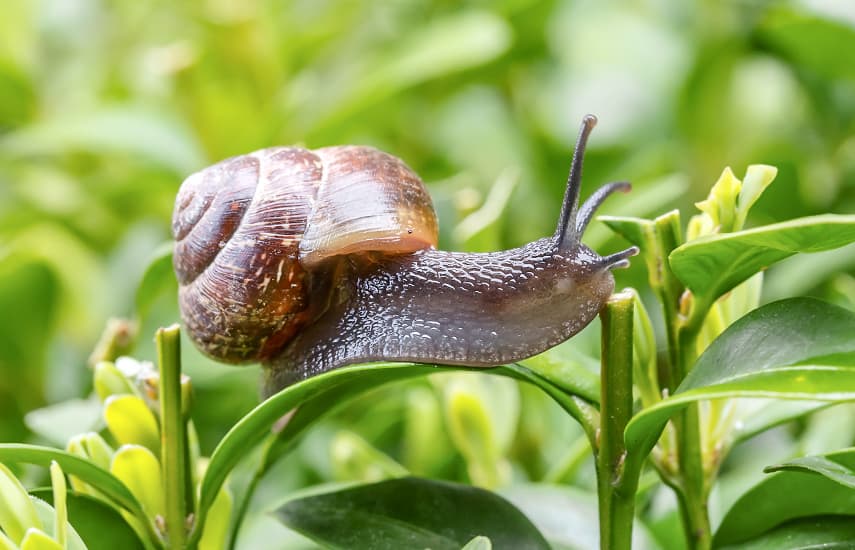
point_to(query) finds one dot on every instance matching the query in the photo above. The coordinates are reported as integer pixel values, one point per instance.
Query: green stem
(669, 289)
(690, 453)
(173, 440)
(616, 484)
(682, 343)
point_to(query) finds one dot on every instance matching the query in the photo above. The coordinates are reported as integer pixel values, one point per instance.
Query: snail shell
(250, 229)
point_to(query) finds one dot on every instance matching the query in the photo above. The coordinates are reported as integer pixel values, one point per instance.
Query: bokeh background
(107, 105)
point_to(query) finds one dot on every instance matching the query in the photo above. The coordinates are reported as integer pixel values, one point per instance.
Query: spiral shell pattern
(251, 230)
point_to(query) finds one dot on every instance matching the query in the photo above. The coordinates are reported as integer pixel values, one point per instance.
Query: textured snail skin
(449, 307)
(307, 261)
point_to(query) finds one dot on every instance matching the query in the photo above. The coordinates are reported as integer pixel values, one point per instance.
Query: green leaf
(131, 421)
(97, 477)
(156, 277)
(139, 470)
(48, 517)
(99, 525)
(39, 540)
(217, 529)
(478, 543)
(410, 513)
(17, 513)
(816, 533)
(314, 396)
(713, 265)
(569, 375)
(832, 466)
(800, 348)
(788, 495)
(637, 231)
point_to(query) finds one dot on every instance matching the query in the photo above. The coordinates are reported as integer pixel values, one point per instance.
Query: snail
(307, 261)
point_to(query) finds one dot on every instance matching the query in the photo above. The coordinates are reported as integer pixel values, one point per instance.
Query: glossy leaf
(100, 526)
(713, 265)
(787, 495)
(800, 348)
(314, 397)
(103, 480)
(825, 533)
(410, 513)
(839, 466)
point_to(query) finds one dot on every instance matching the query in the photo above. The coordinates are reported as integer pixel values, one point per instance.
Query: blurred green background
(107, 105)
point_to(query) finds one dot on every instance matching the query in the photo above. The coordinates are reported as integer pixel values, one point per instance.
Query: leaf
(834, 469)
(314, 397)
(799, 348)
(138, 468)
(101, 479)
(410, 513)
(48, 518)
(823, 532)
(131, 421)
(216, 530)
(478, 543)
(565, 373)
(157, 275)
(39, 540)
(100, 526)
(788, 495)
(714, 264)
(17, 513)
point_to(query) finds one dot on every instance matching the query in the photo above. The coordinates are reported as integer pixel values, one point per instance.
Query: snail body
(311, 260)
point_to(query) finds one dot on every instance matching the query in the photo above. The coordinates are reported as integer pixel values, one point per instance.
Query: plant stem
(616, 484)
(668, 236)
(690, 454)
(173, 440)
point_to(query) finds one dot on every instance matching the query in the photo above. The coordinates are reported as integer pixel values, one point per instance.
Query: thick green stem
(690, 454)
(682, 335)
(173, 437)
(616, 484)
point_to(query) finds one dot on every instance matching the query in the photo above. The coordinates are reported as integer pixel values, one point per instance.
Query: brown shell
(249, 228)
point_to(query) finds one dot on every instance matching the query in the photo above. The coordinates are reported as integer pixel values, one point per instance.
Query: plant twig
(616, 484)
(173, 440)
